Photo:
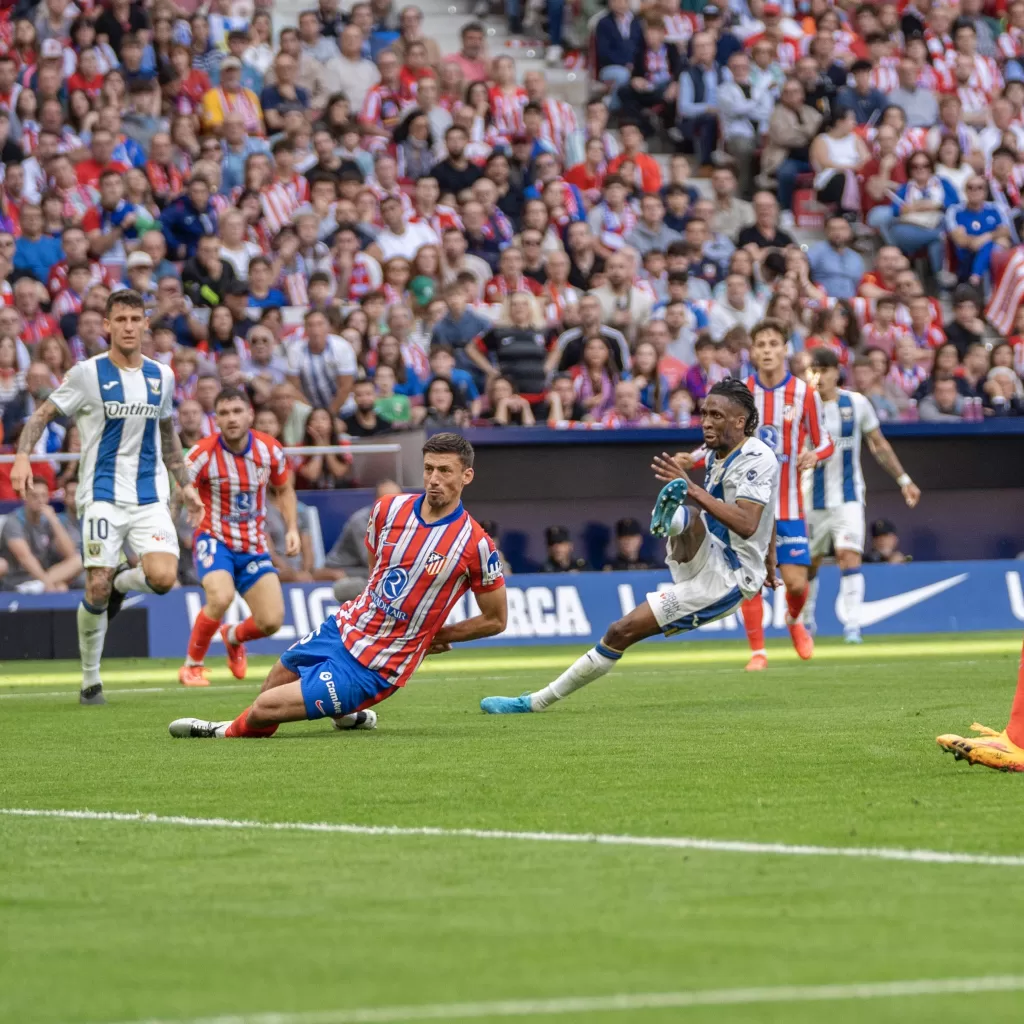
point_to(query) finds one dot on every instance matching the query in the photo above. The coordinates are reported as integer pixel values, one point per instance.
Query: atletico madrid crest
(435, 562)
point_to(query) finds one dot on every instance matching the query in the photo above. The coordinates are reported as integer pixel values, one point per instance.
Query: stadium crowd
(369, 234)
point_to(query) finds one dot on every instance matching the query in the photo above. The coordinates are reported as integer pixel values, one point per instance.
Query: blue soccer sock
(595, 663)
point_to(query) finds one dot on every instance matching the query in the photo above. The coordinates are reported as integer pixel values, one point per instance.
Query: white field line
(588, 838)
(215, 688)
(626, 1002)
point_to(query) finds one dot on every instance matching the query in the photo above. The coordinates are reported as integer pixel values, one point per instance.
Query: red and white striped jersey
(280, 200)
(420, 570)
(507, 109)
(443, 218)
(66, 302)
(973, 100)
(884, 75)
(1011, 43)
(680, 27)
(559, 123)
(383, 107)
(987, 77)
(790, 414)
(234, 488)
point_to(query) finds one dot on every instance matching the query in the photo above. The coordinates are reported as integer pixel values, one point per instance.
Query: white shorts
(839, 529)
(105, 528)
(704, 589)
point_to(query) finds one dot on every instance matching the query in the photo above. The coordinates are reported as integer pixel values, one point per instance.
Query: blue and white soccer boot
(671, 498)
(506, 705)
(852, 636)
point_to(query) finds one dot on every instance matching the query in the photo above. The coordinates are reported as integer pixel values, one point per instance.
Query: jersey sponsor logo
(390, 589)
(493, 571)
(769, 435)
(328, 680)
(122, 410)
(751, 474)
(244, 501)
(435, 563)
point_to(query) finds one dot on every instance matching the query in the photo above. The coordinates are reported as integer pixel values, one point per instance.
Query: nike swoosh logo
(872, 612)
(111, 384)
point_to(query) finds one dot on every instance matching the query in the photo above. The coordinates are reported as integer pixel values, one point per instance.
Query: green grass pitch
(107, 921)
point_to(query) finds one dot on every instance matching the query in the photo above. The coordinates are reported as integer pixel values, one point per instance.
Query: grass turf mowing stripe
(597, 839)
(473, 661)
(627, 1002)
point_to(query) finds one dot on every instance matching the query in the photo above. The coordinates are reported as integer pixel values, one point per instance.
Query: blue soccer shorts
(333, 682)
(212, 555)
(791, 544)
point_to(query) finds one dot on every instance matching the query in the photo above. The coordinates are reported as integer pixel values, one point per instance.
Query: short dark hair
(125, 297)
(739, 394)
(450, 444)
(230, 394)
(824, 358)
(769, 324)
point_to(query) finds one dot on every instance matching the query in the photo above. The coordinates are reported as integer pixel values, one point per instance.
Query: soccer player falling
(1004, 750)
(231, 470)
(836, 488)
(117, 399)
(717, 558)
(425, 552)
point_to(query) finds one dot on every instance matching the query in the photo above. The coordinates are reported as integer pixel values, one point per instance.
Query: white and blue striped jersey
(116, 411)
(839, 478)
(749, 473)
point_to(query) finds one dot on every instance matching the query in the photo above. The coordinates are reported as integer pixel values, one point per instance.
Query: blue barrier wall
(937, 597)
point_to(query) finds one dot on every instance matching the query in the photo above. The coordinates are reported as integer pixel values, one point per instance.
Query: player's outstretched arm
(174, 460)
(21, 471)
(288, 505)
(491, 621)
(889, 461)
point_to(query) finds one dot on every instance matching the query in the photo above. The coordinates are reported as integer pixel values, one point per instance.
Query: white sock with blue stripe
(595, 663)
(851, 592)
(92, 631)
(680, 521)
(133, 579)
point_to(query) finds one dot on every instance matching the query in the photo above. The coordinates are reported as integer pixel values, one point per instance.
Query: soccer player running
(232, 470)
(121, 402)
(425, 552)
(717, 557)
(790, 415)
(835, 488)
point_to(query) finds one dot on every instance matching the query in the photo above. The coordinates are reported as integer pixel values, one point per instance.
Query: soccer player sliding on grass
(718, 556)
(425, 552)
(1004, 750)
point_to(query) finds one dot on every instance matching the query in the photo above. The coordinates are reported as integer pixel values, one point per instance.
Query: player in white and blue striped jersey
(834, 492)
(121, 402)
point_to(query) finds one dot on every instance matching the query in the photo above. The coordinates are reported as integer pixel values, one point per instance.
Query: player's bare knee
(161, 580)
(618, 635)
(269, 622)
(97, 586)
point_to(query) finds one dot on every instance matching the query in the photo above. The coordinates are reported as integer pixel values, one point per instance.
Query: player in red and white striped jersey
(425, 553)
(232, 470)
(790, 416)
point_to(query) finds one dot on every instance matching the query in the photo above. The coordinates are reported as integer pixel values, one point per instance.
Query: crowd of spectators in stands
(371, 235)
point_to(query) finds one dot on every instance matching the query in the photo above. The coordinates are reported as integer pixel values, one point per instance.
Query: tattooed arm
(888, 460)
(174, 460)
(21, 471)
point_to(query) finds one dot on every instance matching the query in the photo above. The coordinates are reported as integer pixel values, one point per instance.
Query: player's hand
(671, 467)
(439, 647)
(292, 543)
(911, 494)
(806, 460)
(193, 505)
(21, 474)
(771, 580)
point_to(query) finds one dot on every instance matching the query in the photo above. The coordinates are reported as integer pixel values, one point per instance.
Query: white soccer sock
(592, 665)
(812, 601)
(133, 579)
(851, 590)
(680, 521)
(92, 631)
